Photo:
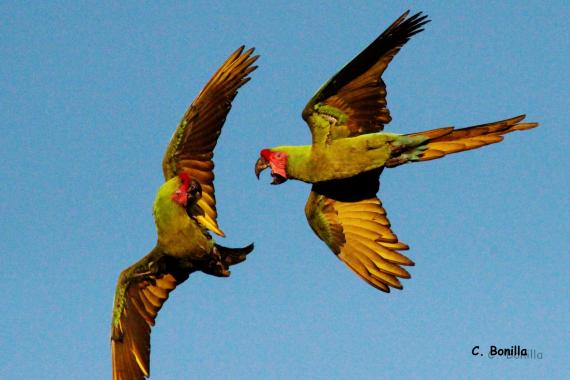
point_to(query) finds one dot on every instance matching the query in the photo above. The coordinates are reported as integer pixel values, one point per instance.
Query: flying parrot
(349, 151)
(184, 210)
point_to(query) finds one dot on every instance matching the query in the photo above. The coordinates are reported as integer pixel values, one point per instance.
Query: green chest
(178, 235)
(342, 158)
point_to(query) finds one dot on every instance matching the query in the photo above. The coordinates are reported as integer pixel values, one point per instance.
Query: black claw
(215, 266)
(222, 258)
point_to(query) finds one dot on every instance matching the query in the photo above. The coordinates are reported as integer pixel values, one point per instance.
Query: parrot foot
(396, 161)
(223, 257)
(216, 265)
(233, 256)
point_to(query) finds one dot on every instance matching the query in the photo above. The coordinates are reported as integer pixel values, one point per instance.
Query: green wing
(357, 230)
(191, 148)
(353, 101)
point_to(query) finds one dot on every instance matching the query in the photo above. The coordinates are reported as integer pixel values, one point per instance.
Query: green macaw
(349, 152)
(184, 210)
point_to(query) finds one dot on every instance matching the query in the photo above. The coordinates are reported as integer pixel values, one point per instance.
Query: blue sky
(90, 93)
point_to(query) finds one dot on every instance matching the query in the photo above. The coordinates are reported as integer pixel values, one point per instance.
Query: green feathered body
(178, 234)
(184, 212)
(346, 118)
(344, 157)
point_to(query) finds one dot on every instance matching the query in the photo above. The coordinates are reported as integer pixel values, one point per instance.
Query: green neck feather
(177, 233)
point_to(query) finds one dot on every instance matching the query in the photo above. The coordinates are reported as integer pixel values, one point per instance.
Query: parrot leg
(215, 266)
(223, 258)
(232, 256)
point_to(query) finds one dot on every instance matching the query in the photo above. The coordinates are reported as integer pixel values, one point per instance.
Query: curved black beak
(260, 165)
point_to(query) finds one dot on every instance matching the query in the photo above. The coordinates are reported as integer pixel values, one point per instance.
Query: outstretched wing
(138, 299)
(353, 101)
(346, 214)
(191, 148)
(357, 230)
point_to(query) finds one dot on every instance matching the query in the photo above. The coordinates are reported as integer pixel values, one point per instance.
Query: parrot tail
(437, 143)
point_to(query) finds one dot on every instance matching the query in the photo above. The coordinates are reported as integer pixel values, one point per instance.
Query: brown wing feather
(191, 148)
(358, 232)
(130, 344)
(346, 214)
(358, 89)
(142, 289)
(139, 297)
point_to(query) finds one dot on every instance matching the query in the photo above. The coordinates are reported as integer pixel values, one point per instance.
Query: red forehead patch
(265, 153)
(185, 178)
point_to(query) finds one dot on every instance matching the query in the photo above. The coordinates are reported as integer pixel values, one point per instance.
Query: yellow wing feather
(130, 336)
(191, 148)
(359, 233)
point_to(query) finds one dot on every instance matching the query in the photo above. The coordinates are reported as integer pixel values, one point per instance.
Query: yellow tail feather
(443, 141)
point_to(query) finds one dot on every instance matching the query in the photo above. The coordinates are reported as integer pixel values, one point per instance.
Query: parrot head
(277, 161)
(188, 192)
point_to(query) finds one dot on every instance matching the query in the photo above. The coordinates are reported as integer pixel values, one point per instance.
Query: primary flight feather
(184, 210)
(346, 118)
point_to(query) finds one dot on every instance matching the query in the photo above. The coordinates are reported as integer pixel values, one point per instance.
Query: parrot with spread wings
(349, 151)
(184, 210)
